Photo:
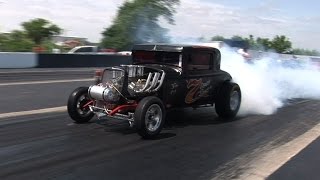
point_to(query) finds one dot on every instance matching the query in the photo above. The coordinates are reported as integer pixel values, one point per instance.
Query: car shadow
(178, 118)
(123, 127)
(114, 125)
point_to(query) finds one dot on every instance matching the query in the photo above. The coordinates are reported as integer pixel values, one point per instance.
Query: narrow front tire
(78, 108)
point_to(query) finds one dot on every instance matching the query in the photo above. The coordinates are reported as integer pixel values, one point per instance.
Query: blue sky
(299, 20)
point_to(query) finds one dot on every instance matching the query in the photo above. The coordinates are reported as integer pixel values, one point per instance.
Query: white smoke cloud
(270, 82)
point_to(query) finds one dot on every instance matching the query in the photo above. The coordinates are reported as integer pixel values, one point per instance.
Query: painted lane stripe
(45, 82)
(32, 112)
(264, 161)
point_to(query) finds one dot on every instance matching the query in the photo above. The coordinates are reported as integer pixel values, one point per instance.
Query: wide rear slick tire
(228, 101)
(149, 117)
(77, 99)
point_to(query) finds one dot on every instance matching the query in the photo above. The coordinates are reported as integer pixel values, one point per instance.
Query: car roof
(167, 47)
(79, 47)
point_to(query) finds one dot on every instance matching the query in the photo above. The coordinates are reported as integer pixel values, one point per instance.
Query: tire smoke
(269, 82)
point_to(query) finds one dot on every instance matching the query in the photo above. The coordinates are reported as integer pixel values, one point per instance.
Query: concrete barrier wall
(18, 60)
(315, 59)
(259, 54)
(31, 60)
(81, 60)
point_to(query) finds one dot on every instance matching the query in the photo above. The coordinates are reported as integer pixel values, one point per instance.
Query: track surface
(195, 144)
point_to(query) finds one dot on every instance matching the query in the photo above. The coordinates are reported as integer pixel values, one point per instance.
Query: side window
(84, 49)
(200, 61)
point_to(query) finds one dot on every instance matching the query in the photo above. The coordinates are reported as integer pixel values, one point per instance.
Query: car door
(199, 77)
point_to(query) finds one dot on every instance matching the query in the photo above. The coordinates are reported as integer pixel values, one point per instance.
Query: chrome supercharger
(110, 86)
(104, 93)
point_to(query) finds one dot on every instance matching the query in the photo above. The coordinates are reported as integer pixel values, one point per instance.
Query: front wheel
(149, 117)
(228, 101)
(78, 105)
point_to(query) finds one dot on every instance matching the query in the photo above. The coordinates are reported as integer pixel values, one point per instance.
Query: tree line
(35, 33)
(137, 21)
(279, 44)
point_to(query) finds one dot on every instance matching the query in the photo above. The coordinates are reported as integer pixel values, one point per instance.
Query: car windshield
(173, 58)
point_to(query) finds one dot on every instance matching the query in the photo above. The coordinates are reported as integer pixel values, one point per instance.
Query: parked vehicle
(126, 53)
(90, 49)
(162, 77)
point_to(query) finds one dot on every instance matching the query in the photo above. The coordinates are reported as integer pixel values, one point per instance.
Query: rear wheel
(228, 101)
(149, 117)
(78, 105)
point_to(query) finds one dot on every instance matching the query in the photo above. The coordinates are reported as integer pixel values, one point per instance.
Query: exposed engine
(143, 80)
(109, 90)
(140, 80)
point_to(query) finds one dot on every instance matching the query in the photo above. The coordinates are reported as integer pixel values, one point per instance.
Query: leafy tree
(49, 46)
(16, 41)
(281, 44)
(218, 38)
(237, 38)
(263, 43)
(306, 52)
(251, 42)
(39, 30)
(3, 40)
(137, 21)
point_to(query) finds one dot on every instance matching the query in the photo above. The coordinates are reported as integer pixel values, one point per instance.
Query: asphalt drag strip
(29, 97)
(195, 144)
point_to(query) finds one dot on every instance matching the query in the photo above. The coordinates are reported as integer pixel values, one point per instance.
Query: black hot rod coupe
(161, 77)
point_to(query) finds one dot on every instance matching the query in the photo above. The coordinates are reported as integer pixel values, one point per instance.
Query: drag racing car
(161, 77)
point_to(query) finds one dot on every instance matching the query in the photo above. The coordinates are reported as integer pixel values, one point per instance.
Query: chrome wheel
(153, 117)
(83, 111)
(234, 100)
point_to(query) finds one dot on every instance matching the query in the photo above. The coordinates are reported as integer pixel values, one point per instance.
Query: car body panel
(185, 85)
